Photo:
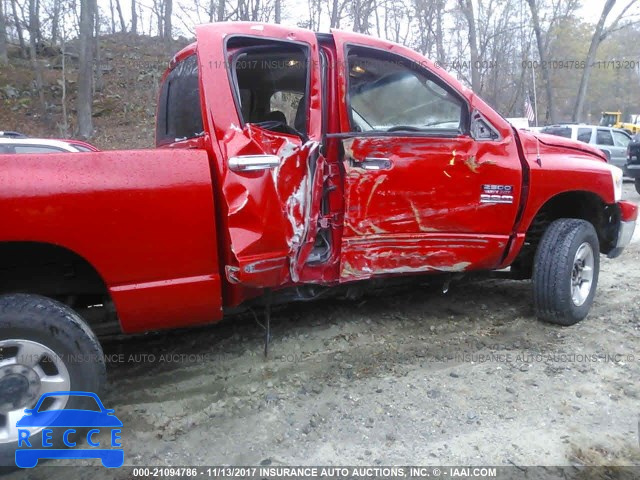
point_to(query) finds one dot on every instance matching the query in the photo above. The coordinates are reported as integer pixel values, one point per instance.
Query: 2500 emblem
(496, 194)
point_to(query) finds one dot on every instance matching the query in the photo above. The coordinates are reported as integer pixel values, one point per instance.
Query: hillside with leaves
(127, 81)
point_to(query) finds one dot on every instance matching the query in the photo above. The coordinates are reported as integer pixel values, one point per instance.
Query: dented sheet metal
(269, 210)
(432, 253)
(424, 213)
(269, 215)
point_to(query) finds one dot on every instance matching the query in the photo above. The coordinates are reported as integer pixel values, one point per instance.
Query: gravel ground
(405, 377)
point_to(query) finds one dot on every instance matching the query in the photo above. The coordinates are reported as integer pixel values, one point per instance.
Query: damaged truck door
(421, 193)
(271, 182)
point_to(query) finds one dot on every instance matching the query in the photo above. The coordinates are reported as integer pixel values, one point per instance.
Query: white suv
(34, 145)
(612, 141)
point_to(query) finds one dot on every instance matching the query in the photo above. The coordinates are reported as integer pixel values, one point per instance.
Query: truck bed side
(144, 220)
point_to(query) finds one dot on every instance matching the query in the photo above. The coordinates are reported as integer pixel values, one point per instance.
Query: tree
(85, 69)
(168, 7)
(542, 54)
(466, 7)
(113, 16)
(123, 24)
(98, 81)
(18, 26)
(134, 17)
(361, 11)
(64, 126)
(4, 59)
(55, 21)
(34, 34)
(599, 35)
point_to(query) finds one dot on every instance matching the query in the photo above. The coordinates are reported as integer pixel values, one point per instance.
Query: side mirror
(481, 129)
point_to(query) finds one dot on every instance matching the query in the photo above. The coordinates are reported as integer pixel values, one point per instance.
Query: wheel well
(59, 273)
(578, 204)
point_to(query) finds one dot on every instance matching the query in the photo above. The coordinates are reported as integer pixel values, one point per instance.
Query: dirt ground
(408, 377)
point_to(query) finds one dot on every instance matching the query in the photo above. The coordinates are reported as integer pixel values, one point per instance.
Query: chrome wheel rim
(582, 274)
(27, 370)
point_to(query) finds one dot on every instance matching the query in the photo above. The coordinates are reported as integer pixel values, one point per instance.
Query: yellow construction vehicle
(614, 119)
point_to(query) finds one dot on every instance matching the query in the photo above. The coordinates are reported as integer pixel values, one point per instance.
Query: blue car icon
(69, 419)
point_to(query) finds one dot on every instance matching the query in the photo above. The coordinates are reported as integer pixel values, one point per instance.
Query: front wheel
(565, 271)
(44, 347)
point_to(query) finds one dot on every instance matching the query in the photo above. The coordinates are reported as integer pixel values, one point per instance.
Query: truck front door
(262, 103)
(422, 193)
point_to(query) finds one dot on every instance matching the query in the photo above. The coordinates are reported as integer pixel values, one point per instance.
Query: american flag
(528, 109)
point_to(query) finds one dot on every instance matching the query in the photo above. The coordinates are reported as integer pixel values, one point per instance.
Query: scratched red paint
(178, 237)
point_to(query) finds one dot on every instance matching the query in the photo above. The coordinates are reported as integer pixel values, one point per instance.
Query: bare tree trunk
(85, 70)
(158, 6)
(33, 39)
(544, 66)
(439, 34)
(65, 121)
(255, 13)
(134, 18)
(467, 9)
(113, 17)
(98, 84)
(597, 38)
(334, 14)
(18, 25)
(55, 22)
(278, 11)
(4, 59)
(168, 10)
(123, 24)
(362, 9)
(221, 5)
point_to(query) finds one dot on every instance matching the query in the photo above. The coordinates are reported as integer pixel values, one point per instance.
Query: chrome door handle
(373, 163)
(248, 163)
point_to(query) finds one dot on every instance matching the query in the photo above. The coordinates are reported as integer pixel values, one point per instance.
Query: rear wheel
(565, 271)
(44, 347)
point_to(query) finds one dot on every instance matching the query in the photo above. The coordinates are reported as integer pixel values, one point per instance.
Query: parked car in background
(82, 146)
(612, 141)
(12, 142)
(632, 168)
(11, 134)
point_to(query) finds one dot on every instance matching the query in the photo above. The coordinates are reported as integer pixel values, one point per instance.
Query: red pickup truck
(287, 161)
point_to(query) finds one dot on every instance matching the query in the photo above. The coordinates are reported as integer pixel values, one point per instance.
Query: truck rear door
(262, 105)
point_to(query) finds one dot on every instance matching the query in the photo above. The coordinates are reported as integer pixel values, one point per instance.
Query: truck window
(390, 92)
(603, 137)
(179, 114)
(584, 135)
(270, 79)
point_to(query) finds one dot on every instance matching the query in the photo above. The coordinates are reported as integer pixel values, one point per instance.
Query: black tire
(54, 325)
(637, 183)
(553, 270)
